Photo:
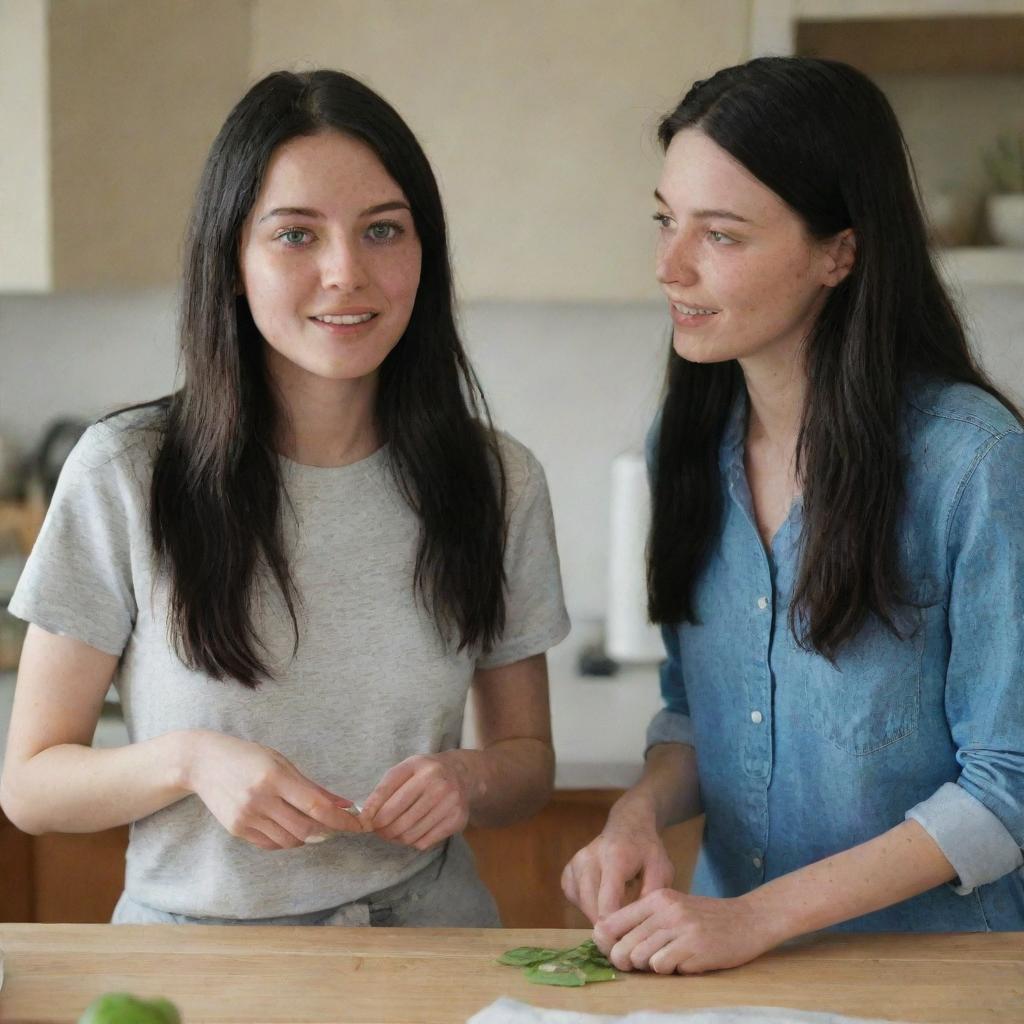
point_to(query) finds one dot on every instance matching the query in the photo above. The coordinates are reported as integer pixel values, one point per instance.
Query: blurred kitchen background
(538, 117)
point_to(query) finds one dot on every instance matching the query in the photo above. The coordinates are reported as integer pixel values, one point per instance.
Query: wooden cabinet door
(16, 879)
(78, 878)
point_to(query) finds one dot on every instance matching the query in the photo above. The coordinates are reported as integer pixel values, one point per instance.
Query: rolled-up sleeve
(978, 822)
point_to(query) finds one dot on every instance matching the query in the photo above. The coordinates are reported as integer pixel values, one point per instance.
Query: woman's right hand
(595, 879)
(258, 795)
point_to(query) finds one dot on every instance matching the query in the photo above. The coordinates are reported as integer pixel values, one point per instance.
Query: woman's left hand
(421, 801)
(668, 931)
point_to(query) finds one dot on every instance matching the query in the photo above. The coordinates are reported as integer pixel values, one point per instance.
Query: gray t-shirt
(370, 684)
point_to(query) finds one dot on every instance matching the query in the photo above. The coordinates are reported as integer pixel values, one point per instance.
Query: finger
(257, 838)
(432, 805)
(628, 917)
(620, 948)
(612, 891)
(443, 830)
(644, 947)
(569, 886)
(405, 807)
(444, 812)
(589, 880)
(319, 805)
(392, 780)
(674, 957)
(658, 873)
(622, 952)
(280, 839)
(301, 826)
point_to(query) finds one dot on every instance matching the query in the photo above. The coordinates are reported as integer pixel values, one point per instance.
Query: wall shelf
(975, 35)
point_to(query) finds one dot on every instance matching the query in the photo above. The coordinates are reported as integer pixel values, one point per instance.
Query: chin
(694, 352)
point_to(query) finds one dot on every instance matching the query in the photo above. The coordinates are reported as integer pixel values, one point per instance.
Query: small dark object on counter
(593, 661)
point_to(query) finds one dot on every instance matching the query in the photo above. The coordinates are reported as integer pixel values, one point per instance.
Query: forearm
(893, 867)
(73, 788)
(667, 793)
(507, 781)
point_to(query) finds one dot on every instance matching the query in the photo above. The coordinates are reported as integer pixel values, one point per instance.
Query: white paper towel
(509, 1011)
(629, 636)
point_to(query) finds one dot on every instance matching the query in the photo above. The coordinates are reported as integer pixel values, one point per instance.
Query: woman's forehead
(699, 175)
(329, 169)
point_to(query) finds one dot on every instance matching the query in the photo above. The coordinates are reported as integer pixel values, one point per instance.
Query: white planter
(1006, 218)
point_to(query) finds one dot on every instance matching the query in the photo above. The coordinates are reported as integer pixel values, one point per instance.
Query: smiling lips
(679, 307)
(345, 319)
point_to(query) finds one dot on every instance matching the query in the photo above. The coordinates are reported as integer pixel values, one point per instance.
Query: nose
(675, 261)
(342, 266)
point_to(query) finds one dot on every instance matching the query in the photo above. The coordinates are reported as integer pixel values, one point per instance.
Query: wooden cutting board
(443, 976)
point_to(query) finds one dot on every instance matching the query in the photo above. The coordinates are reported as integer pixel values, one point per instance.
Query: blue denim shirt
(800, 758)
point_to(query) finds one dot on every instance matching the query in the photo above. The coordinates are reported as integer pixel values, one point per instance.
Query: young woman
(294, 568)
(836, 554)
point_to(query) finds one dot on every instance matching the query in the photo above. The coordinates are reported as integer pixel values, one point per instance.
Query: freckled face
(329, 259)
(742, 275)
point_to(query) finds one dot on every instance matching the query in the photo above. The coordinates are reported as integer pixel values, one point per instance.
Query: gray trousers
(447, 893)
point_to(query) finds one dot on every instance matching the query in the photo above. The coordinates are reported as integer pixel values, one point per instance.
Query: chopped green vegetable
(597, 972)
(526, 956)
(569, 967)
(556, 972)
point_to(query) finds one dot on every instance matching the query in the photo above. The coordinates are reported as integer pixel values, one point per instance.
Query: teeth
(692, 310)
(330, 318)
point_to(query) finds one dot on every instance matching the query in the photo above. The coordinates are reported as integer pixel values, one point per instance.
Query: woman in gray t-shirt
(295, 568)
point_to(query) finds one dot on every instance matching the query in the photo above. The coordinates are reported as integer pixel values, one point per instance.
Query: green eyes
(382, 232)
(664, 221)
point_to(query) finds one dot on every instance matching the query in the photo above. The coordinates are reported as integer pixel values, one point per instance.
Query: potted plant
(1005, 206)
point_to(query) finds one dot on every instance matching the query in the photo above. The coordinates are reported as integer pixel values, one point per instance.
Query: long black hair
(216, 499)
(824, 139)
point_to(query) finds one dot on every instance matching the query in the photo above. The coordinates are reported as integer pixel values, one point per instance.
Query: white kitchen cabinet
(108, 108)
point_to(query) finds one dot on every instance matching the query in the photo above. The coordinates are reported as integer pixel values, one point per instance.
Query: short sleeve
(535, 614)
(78, 579)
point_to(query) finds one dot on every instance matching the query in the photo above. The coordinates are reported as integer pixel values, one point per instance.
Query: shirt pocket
(870, 697)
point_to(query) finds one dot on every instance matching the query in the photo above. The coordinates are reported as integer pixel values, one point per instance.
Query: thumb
(658, 873)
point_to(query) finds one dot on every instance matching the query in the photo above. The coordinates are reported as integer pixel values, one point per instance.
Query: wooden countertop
(430, 976)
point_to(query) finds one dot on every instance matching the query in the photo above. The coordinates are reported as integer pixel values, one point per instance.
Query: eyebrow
(305, 211)
(709, 214)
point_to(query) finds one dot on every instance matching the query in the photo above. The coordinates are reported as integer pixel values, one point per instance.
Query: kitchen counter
(436, 976)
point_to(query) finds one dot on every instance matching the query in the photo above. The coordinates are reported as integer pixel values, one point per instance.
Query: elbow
(15, 807)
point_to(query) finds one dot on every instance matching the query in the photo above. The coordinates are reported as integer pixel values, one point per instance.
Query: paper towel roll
(629, 636)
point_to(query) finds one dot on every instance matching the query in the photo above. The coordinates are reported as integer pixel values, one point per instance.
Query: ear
(840, 257)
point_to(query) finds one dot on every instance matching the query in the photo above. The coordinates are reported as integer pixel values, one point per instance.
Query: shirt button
(756, 717)
(762, 603)
(757, 862)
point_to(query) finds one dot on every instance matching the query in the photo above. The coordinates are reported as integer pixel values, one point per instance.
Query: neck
(326, 422)
(777, 389)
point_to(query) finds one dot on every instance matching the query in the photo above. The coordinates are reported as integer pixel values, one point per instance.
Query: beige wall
(537, 115)
(24, 152)
(138, 90)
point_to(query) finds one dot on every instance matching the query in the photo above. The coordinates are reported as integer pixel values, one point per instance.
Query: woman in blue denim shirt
(836, 554)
